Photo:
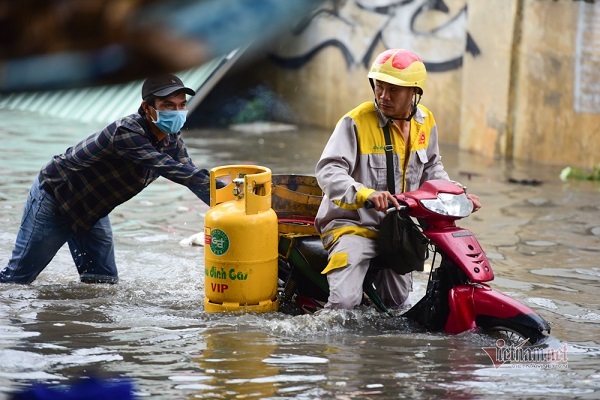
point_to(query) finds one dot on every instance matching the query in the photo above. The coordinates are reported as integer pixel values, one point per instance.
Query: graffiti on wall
(434, 29)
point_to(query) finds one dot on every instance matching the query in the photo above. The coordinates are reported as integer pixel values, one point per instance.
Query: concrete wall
(507, 78)
(486, 97)
(558, 83)
(538, 82)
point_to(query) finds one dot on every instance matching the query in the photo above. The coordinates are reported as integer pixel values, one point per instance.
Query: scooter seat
(311, 248)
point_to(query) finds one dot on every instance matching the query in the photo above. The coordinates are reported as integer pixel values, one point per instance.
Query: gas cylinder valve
(238, 190)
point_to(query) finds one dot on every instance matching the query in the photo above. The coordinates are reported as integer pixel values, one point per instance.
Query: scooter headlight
(454, 205)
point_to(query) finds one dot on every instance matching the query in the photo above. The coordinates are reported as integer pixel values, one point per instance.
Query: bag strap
(389, 158)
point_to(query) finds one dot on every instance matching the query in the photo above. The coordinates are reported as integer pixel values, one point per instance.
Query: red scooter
(457, 298)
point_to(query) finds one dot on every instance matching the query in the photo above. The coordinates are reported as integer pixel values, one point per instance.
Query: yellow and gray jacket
(353, 165)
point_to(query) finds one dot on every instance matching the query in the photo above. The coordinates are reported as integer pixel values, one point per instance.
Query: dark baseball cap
(163, 85)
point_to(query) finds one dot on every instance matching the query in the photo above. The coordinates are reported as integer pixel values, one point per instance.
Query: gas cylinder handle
(256, 185)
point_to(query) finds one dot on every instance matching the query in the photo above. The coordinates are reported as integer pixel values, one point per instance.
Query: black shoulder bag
(402, 246)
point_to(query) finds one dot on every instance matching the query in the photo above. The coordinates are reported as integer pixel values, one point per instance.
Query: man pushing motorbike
(391, 139)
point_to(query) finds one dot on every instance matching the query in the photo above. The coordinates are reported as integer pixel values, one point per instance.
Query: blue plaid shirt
(111, 166)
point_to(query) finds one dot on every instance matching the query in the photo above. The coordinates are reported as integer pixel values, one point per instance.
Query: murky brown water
(544, 242)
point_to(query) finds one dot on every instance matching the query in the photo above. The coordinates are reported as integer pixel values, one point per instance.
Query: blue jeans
(44, 231)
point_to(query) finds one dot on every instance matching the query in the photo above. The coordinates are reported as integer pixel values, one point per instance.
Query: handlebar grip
(369, 204)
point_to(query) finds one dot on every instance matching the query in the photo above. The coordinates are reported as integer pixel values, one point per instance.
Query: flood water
(543, 242)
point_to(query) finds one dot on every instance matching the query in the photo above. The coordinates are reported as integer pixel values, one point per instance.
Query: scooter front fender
(462, 309)
(468, 303)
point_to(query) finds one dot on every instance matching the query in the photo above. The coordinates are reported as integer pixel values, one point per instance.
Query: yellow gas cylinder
(241, 236)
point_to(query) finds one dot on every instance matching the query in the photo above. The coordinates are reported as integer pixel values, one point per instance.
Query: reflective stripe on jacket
(353, 165)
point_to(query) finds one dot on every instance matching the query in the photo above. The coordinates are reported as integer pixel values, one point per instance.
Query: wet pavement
(543, 241)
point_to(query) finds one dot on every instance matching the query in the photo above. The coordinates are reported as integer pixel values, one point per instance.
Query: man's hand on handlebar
(475, 200)
(381, 201)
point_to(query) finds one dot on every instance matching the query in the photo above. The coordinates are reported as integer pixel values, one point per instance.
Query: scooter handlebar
(369, 205)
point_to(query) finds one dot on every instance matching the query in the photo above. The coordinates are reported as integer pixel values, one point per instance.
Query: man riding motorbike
(394, 135)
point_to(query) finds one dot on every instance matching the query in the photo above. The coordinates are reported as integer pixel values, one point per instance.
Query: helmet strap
(410, 116)
(415, 103)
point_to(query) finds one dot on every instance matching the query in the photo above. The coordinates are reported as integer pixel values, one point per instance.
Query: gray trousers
(346, 283)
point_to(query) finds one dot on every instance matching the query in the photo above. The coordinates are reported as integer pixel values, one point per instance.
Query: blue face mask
(170, 121)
